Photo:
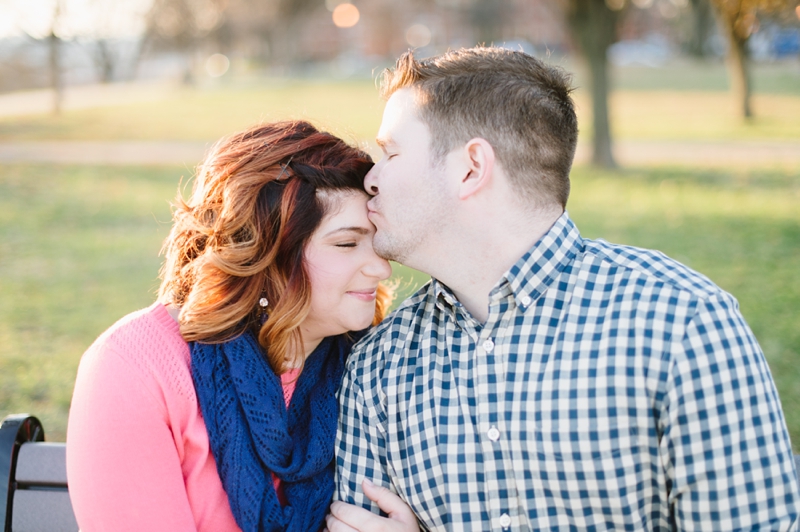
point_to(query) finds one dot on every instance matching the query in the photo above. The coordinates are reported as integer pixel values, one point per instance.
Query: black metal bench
(34, 498)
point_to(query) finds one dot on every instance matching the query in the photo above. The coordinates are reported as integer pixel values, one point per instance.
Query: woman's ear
(479, 158)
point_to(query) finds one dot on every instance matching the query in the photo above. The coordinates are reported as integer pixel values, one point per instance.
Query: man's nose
(371, 180)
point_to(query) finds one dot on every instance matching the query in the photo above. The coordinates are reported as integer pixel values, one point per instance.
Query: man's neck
(473, 266)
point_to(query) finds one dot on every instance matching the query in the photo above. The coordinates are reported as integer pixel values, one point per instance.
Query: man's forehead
(399, 113)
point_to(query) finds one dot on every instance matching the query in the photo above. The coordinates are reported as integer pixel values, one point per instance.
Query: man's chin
(386, 249)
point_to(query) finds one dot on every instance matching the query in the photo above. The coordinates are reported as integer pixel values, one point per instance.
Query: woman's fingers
(390, 503)
(333, 524)
(349, 518)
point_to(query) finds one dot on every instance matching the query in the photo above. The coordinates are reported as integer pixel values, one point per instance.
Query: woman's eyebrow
(353, 229)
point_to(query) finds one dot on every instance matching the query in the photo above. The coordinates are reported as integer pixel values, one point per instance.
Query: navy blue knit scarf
(252, 434)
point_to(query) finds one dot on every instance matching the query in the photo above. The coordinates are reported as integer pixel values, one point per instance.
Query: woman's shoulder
(142, 329)
(149, 343)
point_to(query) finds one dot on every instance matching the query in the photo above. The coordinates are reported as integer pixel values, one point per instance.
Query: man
(542, 381)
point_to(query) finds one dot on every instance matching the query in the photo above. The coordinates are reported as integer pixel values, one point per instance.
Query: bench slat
(42, 511)
(42, 464)
(797, 468)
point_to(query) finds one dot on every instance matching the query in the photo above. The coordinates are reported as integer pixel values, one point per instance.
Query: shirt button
(493, 434)
(526, 300)
(488, 345)
(505, 521)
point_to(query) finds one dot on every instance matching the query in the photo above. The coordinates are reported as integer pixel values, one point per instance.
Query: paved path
(744, 154)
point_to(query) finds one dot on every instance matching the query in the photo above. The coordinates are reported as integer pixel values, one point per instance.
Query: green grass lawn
(352, 109)
(79, 249)
(349, 109)
(79, 244)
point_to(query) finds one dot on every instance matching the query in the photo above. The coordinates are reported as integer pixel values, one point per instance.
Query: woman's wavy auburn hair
(241, 235)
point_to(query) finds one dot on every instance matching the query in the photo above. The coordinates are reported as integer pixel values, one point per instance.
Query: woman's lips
(364, 295)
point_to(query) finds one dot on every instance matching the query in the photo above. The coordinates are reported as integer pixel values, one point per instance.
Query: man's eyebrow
(383, 141)
(353, 229)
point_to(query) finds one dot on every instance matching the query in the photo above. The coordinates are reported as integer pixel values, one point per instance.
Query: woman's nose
(377, 267)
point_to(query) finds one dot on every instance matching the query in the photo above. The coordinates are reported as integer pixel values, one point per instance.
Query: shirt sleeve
(123, 466)
(724, 445)
(360, 447)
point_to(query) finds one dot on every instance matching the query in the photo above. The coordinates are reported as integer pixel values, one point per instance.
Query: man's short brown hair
(517, 103)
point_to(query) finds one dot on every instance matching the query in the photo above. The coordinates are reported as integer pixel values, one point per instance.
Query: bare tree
(274, 23)
(594, 27)
(45, 24)
(189, 25)
(183, 25)
(702, 25)
(739, 20)
(106, 23)
(104, 59)
(54, 42)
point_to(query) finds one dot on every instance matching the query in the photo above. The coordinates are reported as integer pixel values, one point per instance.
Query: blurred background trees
(594, 29)
(56, 42)
(739, 20)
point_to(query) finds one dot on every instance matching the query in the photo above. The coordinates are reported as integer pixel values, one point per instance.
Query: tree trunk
(702, 25)
(601, 125)
(739, 67)
(55, 72)
(593, 26)
(104, 60)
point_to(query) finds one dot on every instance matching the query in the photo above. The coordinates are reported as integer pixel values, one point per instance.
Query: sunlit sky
(78, 18)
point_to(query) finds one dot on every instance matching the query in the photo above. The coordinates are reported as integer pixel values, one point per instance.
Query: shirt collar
(535, 271)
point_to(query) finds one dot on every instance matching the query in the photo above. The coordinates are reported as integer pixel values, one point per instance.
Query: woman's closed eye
(349, 237)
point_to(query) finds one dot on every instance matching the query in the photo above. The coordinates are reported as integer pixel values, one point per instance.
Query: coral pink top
(138, 456)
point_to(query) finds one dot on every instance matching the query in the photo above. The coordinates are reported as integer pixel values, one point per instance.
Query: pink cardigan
(138, 456)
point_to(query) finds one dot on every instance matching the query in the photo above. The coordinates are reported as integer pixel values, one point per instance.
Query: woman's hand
(349, 518)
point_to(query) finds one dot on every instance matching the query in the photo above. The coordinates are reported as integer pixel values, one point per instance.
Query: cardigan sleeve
(123, 466)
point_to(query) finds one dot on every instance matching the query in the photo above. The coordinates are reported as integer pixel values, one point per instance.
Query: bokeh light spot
(217, 65)
(346, 15)
(615, 5)
(418, 35)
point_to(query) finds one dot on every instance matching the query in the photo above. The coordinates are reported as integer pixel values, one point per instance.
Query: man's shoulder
(649, 267)
(395, 327)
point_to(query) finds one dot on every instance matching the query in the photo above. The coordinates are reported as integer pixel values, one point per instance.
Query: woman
(214, 408)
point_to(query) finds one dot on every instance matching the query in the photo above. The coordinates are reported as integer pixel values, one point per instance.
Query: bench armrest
(15, 430)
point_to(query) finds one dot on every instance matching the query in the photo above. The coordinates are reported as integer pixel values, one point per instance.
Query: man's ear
(479, 158)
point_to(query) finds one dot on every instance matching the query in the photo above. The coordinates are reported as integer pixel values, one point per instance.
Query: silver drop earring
(263, 303)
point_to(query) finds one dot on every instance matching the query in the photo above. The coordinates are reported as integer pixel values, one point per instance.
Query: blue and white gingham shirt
(610, 388)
